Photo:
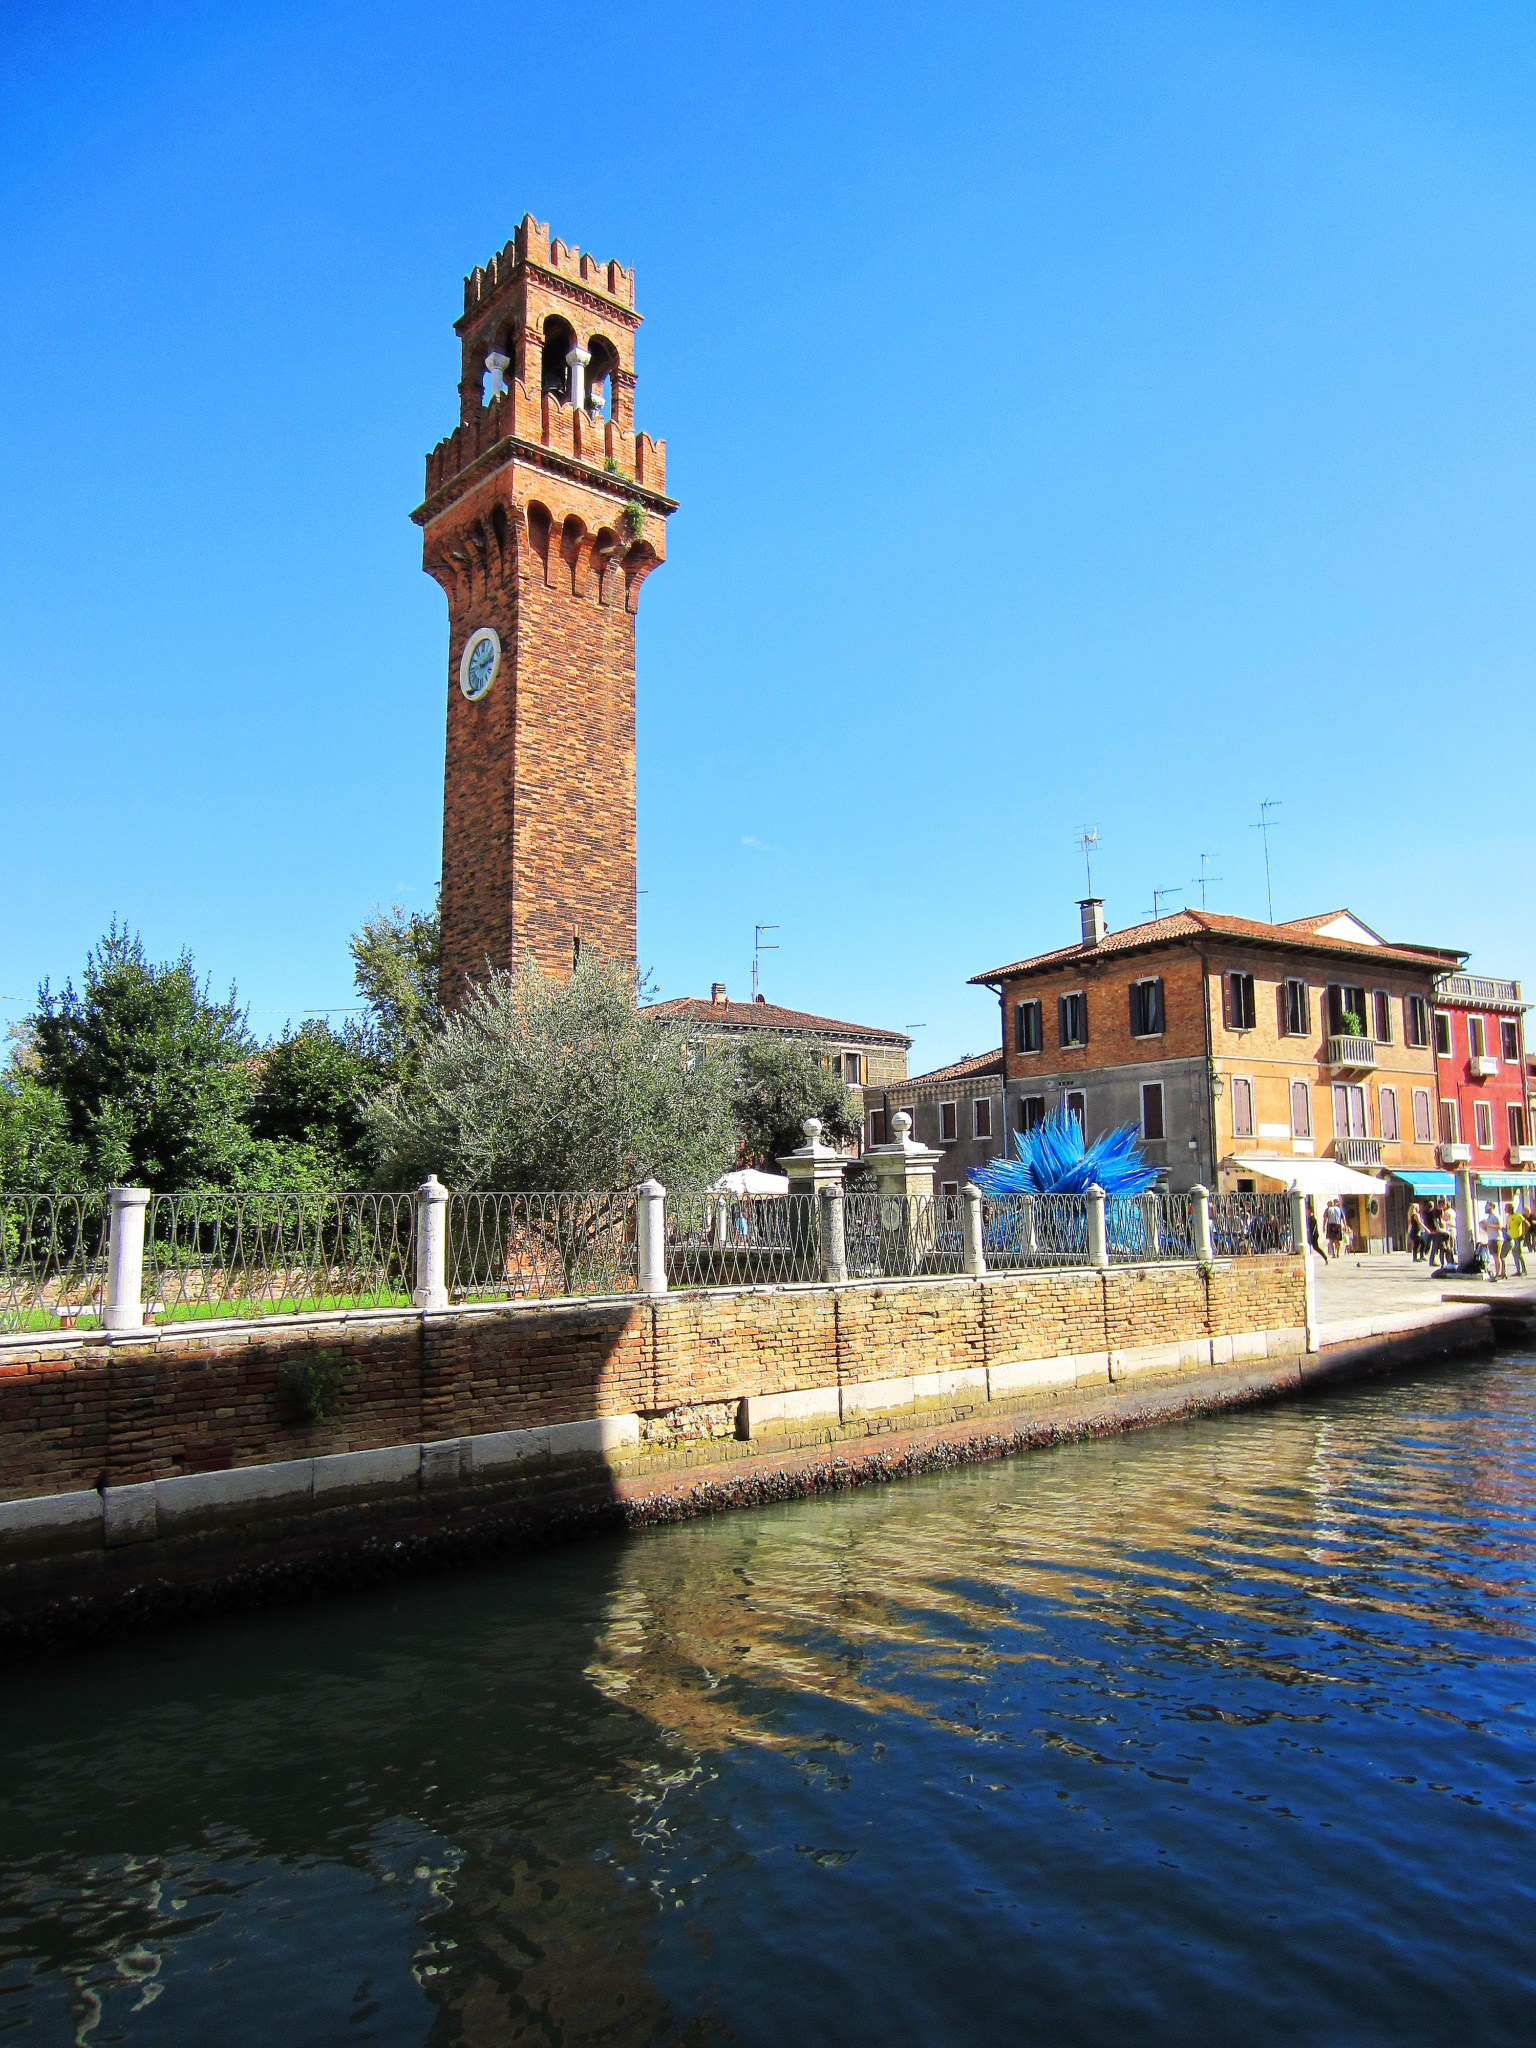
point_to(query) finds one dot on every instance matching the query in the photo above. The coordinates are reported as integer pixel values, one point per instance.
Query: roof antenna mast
(1205, 876)
(1088, 840)
(759, 948)
(1269, 804)
(1157, 899)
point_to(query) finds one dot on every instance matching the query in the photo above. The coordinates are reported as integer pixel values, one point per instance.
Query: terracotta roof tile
(1214, 924)
(767, 1017)
(973, 1068)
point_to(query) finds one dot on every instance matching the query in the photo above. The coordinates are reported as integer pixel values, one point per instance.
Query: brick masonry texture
(85, 1412)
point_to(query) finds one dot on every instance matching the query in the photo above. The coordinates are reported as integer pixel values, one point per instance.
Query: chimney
(717, 994)
(1092, 908)
(761, 998)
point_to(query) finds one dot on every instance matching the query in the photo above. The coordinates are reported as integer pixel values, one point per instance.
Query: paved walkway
(1352, 1286)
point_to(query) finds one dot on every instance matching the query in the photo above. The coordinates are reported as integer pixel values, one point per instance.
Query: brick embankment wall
(196, 1398)
(138, 1474)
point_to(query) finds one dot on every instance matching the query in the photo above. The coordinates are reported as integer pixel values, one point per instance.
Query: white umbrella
(747, 1180)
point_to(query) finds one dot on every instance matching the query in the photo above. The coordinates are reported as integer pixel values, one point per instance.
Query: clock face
(481, 659)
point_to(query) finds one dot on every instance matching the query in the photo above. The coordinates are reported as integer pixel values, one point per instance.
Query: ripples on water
(1221, 1732)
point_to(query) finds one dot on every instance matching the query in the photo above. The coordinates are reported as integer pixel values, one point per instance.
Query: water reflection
(1221, 1729)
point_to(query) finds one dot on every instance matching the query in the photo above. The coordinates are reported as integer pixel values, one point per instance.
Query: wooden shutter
(1138, 1025)
(1158, 1020)
(1061, 1019)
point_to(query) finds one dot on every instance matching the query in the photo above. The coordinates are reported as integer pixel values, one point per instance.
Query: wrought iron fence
(216, 1252)
(892, 1235)
(1250, 1223)
(517, 1247)
(53, 1260)
(1034, 1230)
(1140, 1228)
(720, 1240)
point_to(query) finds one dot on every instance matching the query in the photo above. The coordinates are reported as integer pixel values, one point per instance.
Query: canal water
(1215, 1733)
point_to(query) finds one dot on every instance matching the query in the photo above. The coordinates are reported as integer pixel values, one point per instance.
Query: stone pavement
(1361, 1286)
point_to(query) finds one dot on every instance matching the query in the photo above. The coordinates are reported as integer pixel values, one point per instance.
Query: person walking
(1514, 1236)
(1490, 1236)
(1418, 1233)
(1333, 1227)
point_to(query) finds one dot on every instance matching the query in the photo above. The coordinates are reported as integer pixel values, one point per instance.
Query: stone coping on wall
(191, 1329)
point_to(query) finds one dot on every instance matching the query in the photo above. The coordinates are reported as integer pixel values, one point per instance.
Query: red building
(1480, 1068)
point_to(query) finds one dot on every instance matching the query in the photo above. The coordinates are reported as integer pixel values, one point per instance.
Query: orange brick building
(1233, 1046)
(544, 513)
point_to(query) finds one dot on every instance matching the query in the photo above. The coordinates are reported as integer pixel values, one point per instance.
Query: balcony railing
(1454, 1153)
(1522, 1155)
(1483, 1065)
(1357, 1151)
(1351, 1053)
(1474, 988)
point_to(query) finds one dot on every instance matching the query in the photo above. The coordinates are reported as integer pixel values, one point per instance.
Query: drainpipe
(1210, 1071)
(1002, 1040)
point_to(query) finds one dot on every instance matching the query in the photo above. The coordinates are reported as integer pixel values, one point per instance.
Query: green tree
(545, 1082)
(779, 1083)
(310, 1100)
(37, 1148)
(153, 1074)
(396, 961)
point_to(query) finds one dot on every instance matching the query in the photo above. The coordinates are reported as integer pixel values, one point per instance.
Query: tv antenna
(1157, 899)
(759, 948)
(1088, 840)
(1269, 804)
(1205, 876)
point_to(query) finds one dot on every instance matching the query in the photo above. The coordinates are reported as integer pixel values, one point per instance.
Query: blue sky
(1080, 414)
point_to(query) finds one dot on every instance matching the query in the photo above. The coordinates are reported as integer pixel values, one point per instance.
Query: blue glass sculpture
(1053, 1160)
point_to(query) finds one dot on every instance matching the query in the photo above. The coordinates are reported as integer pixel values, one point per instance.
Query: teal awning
(1506, 1180)
(1426, 1180)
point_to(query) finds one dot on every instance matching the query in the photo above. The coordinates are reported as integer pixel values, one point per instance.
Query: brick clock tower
(545, 512)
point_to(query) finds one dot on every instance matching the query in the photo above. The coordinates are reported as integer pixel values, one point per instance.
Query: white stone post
(652, 1203)
(834, 1241)
(975, 1259)
(577, 359)
(1031, 1230)
(1299, 1220)
(124, 1306)
(1098, 1237)
(1466, 1217)
(431, 1290)
(1200, 1199)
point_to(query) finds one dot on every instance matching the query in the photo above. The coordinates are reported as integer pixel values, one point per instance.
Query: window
(1146, 1008)
(1031, 1111)
(1240, 1006)
(1077, 1109)
(1349, 1110)
(1484, 1120)
(1028, 1028)
(1389, 1129)
(1442, 1035)
(1301, 1110)
(1152, 1110)
(949, 1189)
(1477, 1043)
(907, 1110)
(877, 1127)
(1516, 1124)
(1509, 1035)
(1381, 1016)
(981, 1115)
(1242, 1107)
(1450, 1122)
(1346, 1011)
(1072, 1018)
(1423, 1128)
(1416, 1020)
(1295, 1009)
(851, 1065)
(946, 1123)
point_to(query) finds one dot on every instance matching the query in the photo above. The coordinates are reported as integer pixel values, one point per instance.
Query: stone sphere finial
(812, 1130)
(901, 1124)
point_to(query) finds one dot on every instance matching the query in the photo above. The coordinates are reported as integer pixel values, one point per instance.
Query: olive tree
(541, 1081)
